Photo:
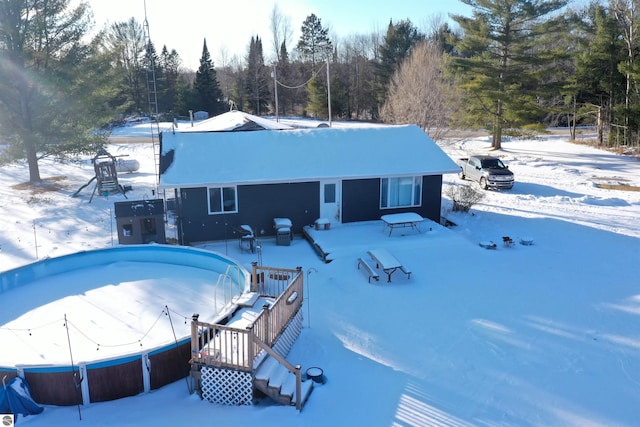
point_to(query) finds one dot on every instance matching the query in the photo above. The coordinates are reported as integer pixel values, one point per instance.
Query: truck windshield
(493, 164)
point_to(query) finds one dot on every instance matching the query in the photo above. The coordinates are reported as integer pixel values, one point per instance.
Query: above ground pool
(111, 322)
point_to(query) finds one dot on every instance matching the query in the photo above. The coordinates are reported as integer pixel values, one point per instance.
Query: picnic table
(387, 262)
(404, 219)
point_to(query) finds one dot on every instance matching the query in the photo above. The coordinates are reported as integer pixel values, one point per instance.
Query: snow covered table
(389, 263)
(404, 219)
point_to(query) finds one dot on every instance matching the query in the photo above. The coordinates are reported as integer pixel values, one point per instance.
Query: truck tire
(461, 175)
(483, 183)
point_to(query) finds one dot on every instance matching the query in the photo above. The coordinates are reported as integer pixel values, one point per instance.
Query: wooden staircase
(277, 382)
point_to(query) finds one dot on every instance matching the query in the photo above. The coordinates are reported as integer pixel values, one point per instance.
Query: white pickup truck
(488, 171)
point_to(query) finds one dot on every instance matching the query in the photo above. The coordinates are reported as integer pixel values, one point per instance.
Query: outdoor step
(289, 388)
(279, 377)
(305, 390)
(280, 384)
(267, 369)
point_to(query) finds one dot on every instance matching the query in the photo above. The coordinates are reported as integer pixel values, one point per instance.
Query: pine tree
(43, 56)
(499, 61)
(169, 67)
(398, 42)
(150, 71)
(184, 96)
(592, 88)
(339, 97)
(258, 82)
(317, 101)
(314, 44)
(207, 94)
(282, 74)
(444, 39)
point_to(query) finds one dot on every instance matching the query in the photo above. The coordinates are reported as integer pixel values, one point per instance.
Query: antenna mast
(152, 97)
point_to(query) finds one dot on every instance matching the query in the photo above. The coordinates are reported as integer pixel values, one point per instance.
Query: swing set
(106, 176)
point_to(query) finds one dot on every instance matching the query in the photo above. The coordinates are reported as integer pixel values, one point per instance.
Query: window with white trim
(400, 192)
(222, 200)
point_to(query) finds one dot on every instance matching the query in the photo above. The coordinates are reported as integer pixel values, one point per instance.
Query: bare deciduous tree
(463, 197)
(355, 62)
(626, 13)
(281, 31)
(127, 40)
(417, 92)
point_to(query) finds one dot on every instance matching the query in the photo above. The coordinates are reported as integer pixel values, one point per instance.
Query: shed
(200, 115)
(140, 221)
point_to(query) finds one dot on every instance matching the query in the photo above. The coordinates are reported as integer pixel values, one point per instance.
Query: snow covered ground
(546, 334)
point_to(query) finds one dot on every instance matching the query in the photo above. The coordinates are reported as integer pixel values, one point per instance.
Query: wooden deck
(249, 336)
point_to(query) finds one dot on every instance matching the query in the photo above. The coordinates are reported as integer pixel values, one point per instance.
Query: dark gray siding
(361, 200)
(300, 202)
(257, 206)
(432, 197)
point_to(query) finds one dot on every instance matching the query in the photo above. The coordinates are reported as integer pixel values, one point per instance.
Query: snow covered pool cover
(124, 306)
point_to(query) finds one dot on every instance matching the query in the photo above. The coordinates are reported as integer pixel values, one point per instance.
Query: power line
(313, 76)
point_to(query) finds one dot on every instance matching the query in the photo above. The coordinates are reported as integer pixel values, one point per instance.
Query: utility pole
(275, 90)
(329, 91)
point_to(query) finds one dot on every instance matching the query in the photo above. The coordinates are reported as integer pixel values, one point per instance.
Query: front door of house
(330, 198)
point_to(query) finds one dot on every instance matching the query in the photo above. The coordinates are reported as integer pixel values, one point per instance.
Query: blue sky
(228, 29)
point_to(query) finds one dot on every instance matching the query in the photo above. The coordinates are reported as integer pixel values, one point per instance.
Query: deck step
(248, 299)
(306, 387)
(278, 383)
(268, 368)
(278, 377)
(289, 388)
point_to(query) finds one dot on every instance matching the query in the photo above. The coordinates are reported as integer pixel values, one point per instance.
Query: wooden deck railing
(235, 347)
(221, 345)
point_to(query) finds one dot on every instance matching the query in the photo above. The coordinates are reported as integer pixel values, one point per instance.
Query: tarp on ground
(15, 398)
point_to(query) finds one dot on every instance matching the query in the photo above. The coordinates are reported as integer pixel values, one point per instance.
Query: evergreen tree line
(509, 65)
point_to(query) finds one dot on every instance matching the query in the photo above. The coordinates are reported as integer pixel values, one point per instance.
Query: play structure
(106, 175)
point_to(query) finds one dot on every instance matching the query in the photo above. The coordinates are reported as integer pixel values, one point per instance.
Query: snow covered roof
(195, 159)
(234, 121)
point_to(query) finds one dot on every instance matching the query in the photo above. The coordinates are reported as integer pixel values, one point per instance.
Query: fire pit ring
(316, 375)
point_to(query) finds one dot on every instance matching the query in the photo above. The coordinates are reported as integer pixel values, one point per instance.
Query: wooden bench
(370, 271)
(322, 224)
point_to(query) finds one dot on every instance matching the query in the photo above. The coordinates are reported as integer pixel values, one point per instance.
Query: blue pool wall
(165, 254)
